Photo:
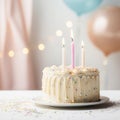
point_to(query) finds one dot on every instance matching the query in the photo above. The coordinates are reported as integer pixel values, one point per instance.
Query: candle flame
(63, 41)
(82, 43)
(72, 36)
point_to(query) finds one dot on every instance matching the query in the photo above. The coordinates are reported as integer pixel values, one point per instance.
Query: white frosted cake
(71, 85)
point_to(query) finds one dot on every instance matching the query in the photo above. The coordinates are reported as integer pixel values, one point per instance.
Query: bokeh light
(0, 54)
(41, 46)
(25, 50)
(11, 53)
(69, 24)
(59, 33)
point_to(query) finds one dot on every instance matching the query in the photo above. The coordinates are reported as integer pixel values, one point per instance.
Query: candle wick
(63, 42)
(72, 39)
(72, 36)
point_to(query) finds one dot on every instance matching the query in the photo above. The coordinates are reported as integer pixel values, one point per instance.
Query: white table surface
(19, 105)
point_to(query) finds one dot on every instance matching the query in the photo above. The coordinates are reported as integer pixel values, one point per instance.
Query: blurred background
(30, 39)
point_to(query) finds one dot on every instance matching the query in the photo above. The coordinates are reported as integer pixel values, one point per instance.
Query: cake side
(71, 85)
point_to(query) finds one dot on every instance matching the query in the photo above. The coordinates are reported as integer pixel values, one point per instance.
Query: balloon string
(78, 27)
(80, 23)
(105, 63)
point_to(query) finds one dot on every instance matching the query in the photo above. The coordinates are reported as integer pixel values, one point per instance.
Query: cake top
(58, 70)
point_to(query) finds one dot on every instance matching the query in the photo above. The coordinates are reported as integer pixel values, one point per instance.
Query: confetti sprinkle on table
(20, 105)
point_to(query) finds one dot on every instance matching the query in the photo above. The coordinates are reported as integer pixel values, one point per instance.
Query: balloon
(104, 29)
(82, 6)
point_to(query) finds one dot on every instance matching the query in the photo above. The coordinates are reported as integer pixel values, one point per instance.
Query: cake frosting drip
(71, 85)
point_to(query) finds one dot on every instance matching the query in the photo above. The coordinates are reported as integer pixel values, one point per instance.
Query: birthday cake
(66, 85)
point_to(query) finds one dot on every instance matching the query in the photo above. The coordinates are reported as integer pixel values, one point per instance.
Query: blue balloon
(82, 6)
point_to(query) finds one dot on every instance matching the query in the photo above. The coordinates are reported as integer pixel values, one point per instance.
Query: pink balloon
(104, 29)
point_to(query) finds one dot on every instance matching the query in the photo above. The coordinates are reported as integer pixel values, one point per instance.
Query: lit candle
(63, 52)
(72, 50)
(82, 54)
